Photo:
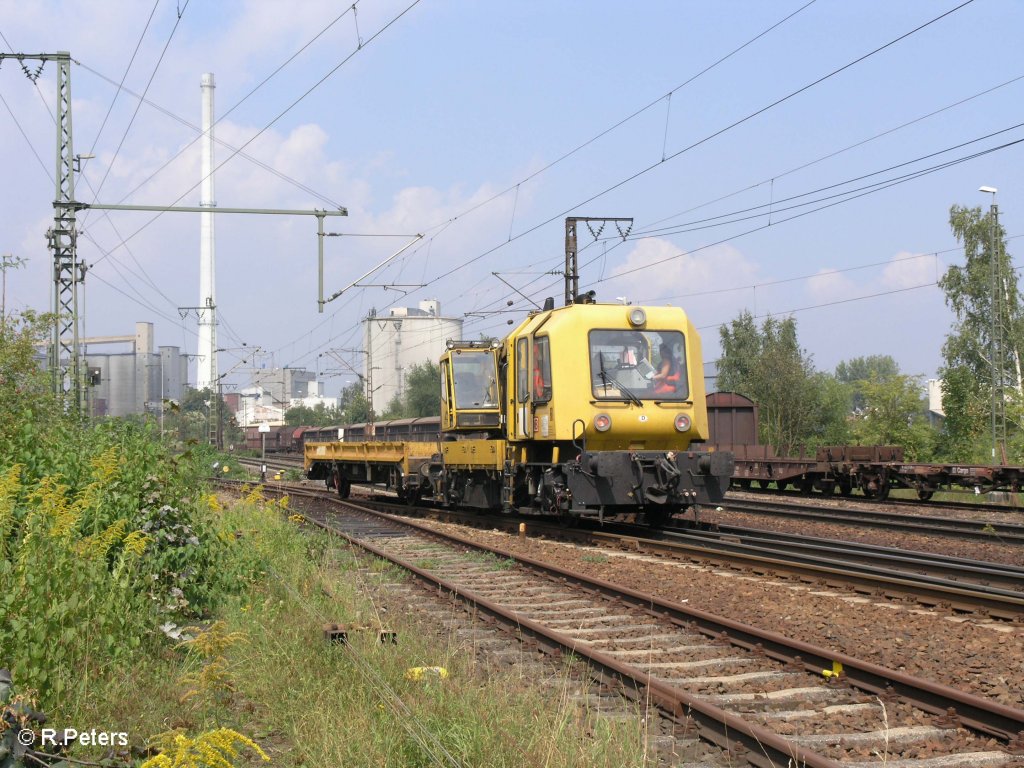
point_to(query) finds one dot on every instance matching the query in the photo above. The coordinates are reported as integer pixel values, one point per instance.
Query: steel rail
(872, 557)
(1001, 603)
(1005, 533)
(1008, 605)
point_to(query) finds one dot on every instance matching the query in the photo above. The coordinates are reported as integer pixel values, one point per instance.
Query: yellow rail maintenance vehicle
(587, 410)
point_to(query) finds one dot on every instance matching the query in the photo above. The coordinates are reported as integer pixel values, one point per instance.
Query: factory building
(394, 343)
(137, 381)
(282, 385)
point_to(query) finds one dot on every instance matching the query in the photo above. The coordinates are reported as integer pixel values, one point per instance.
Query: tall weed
(70, 603)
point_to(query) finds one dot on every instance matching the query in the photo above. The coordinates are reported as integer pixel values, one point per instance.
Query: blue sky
(447, 122)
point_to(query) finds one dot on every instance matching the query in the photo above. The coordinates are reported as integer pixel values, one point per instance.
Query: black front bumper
(642, 479)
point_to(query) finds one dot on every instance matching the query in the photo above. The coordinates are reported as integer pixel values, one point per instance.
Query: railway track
(274, 463)
(957, 584)
(965, 586)
(769, 700)
(982, 503)
(933, 580)
(1007, 533)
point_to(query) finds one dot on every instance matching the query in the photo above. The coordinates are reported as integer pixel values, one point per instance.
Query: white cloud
(907, 270)
(656, 270)
(830, 285)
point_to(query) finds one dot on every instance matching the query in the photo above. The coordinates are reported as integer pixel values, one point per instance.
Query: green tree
(863, 368)
(968, 365)
(355, 408)
(858, 370)
(423, 390)
(195, 415)
(317, 416)
(395, 409)
(422, 395)
(34, 428)
(833, 398)
(798, 406)
(894, 414)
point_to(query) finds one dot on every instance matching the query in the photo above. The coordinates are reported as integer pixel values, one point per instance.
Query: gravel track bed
(973, 654)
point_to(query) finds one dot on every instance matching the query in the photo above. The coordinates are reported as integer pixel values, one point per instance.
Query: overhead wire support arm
(359, 279)
(506, 282)
(320, 214)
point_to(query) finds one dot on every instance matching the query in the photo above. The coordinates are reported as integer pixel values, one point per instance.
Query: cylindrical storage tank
(121, 400)
(409, 336)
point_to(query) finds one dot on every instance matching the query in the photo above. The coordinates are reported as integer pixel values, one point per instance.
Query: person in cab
(666, 380)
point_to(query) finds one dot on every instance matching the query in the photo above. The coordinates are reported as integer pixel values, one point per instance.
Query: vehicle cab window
(541, 369)
(475, 380)
(523, 370)
(646, 365)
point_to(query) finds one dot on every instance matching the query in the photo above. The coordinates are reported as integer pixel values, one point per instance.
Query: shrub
(70, 604)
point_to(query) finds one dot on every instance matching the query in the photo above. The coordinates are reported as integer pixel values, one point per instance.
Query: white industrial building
(394, 343)
(138, 381)
(283, 385)
(255, 405)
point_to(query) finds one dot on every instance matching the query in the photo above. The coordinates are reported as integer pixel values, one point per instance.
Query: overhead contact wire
(711, 136)
(276, 119)
(138, 106)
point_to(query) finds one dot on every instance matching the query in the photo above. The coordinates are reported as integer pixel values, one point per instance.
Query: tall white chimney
(206, 371)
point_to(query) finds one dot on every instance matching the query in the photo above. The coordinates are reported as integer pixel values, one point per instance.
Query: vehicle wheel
(876, 491)
(924, 494)
(344, 487)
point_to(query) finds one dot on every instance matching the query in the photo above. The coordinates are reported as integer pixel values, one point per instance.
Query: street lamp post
(994, 347)
(7, 261)
(163, 403)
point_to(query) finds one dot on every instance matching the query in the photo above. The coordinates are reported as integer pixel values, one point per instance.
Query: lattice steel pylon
(67, 272)
(62, 238)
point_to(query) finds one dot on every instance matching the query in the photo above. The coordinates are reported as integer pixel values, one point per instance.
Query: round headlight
(682, 423)
(602, 422)
(637, 317)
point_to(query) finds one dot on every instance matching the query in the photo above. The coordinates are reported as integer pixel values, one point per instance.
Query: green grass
(311, 703)
(490, 560)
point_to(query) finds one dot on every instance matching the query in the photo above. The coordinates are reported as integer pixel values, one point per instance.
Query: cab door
(522, 401)
(541, 386)
(447, 396)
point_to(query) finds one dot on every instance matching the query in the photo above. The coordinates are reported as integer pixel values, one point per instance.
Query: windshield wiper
(629, 394)
(604, 376)
(630, 397)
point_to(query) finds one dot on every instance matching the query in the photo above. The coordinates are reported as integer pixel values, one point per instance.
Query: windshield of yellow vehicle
(475, 380)
(645, 365)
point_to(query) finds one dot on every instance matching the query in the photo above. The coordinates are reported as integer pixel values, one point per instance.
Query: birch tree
(988, 318)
